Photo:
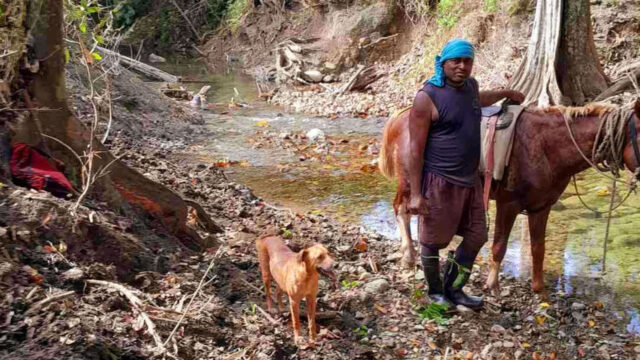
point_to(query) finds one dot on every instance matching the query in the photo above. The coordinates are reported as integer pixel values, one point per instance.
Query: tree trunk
(122, 184)
(561, 65)
(579, 72)
(536, 77)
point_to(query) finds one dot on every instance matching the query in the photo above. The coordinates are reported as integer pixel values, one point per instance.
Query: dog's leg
(267, 290)
(311, 316)
(279, 297)
(294, 305)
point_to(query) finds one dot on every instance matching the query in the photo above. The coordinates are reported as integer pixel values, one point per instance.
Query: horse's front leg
(505, 217)
(406, 248)
(537, 229)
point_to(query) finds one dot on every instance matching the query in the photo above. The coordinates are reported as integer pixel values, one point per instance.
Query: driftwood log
(136, 65)
(361, 79)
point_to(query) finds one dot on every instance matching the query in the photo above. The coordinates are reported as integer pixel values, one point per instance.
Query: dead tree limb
(137, 305)
(619, 87)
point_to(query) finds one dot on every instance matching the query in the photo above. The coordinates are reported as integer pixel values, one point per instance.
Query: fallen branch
(218, 253)
(147, 70)
(137, 304)
(379, 40)
(619, 86)
(186, 18)
(266, 315)
(40, 304)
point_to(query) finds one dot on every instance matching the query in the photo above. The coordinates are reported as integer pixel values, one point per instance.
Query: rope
(596, 211)
(606, 155)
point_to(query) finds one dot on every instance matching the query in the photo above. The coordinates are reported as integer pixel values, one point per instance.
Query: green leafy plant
(448, 13)
(349, 284)
(361, 331)
(235, 13)
(286, 233)
(436, 312)
(490, 6)
(252, 308)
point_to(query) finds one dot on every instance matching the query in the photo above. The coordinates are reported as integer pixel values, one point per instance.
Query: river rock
(576, 306)
(73, 274)
(497, 329)
(312, 75)
(153, 58)
(377, 286)
(315, 134)
(330, 66)
(328, 78)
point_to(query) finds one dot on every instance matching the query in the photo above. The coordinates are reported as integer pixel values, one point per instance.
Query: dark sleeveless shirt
(453, 144)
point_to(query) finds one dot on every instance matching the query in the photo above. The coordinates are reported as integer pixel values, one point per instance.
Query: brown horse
(543, 160)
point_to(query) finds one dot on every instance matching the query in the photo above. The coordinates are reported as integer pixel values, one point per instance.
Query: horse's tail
(387, 158)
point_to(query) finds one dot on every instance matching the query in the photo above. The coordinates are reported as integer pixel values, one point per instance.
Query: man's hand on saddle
(417, 205)
(516, 96)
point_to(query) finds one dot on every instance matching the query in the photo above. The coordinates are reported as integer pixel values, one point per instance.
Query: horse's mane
(593, 109)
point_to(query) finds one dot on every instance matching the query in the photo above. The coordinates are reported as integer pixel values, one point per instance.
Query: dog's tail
(263, 258)
(387, 157)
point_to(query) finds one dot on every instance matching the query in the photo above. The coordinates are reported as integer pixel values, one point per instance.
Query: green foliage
(88, 22)
(436, 312)
(518, 7)
(448, 13)
(126, 12)
(361, 331)
(286, 233)
(490, 6)
(349, 284)
(236, 10)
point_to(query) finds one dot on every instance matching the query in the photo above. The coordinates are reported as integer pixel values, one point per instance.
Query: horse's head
(631, 154)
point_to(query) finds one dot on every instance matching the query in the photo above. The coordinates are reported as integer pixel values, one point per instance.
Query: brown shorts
(452, 210)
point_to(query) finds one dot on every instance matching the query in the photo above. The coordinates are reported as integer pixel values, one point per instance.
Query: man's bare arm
(488, 98)
(421, 114)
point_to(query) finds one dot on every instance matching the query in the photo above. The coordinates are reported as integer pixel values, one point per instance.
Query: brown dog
(296, 274)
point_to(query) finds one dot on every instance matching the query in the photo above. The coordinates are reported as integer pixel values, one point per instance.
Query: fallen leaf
(581, 352)
(361, 245)
(552, 356)
(62, 247)
(526, 345)
(536, 356)
(49, 249)
(381, 309)
(544, 305)
(541, 319)
(469, 356)
(592, 323)
(262, 123)
(402, 352)
(432, 345)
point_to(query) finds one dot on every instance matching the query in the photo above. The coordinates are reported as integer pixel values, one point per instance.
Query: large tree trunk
(122, 184)
(579, 72)
(561, 65)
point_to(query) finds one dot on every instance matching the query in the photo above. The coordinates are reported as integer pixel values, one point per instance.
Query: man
(446, 190)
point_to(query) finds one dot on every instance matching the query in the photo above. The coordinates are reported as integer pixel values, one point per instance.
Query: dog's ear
(302, 255)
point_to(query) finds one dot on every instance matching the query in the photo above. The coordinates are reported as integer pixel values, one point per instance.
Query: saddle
(497, 131)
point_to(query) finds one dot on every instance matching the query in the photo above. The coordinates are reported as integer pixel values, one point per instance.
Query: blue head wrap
(456, 48)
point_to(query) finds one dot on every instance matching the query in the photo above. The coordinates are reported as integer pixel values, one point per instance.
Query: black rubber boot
(456, 274)
(431, 267)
